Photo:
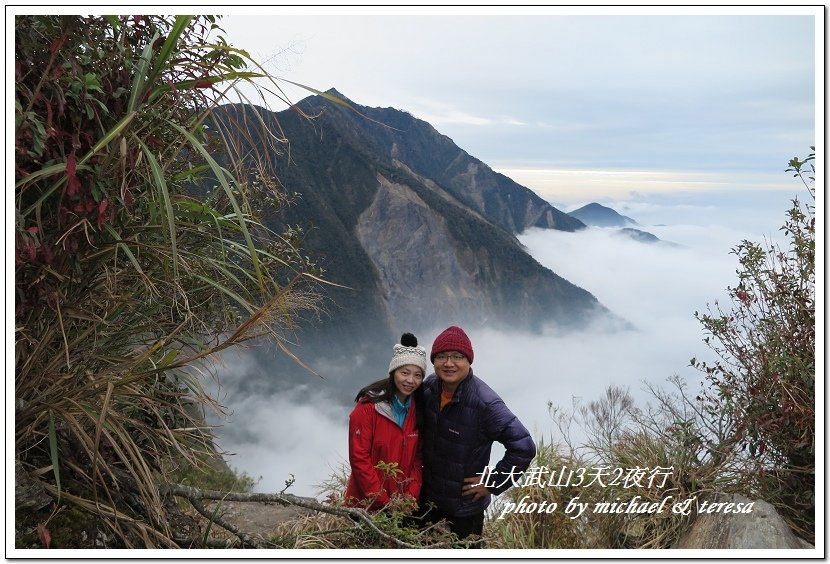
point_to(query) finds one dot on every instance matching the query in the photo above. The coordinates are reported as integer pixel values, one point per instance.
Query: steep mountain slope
(421, 233)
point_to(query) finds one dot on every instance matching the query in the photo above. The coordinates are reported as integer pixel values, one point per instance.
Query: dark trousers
(462, 527)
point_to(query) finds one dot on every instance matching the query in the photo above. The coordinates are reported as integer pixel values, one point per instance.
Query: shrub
(124, 280)
(764, 382)
(625, 455)
(507, 527)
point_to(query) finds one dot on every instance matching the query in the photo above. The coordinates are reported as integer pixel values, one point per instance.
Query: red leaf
(102, 210)
(128, 197)
(73, 184)
(31, 250)
(70, 164)
(46, 255)
(43, 533)
(57, 44)
(203, 83)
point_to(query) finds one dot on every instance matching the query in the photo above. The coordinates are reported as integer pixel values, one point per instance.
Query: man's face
(451, 367)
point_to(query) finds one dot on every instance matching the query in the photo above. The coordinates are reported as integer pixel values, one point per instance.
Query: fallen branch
(246, 539)
(195, 496)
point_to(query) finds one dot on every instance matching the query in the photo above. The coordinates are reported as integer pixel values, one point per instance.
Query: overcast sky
(614, 102)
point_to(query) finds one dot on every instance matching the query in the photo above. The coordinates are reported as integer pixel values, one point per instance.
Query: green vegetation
(762, 391)
(628, 456)
(213, 475)
(136, 257)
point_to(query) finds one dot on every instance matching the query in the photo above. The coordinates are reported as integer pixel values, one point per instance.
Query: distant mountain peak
(644, 237)
(338, 94)
(597, 215)
(638, 235)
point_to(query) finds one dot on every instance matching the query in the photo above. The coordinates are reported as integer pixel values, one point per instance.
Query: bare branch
(195, 497)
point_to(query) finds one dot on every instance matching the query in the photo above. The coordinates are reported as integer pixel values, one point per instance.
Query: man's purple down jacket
(457, 442)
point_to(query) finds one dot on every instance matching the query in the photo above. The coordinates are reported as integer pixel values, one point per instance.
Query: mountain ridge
(421, 232)
(597, 215)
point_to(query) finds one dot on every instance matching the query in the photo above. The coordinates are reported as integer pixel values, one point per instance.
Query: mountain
(421, 233)
(598, 215)
(643, 237)
(638, 235)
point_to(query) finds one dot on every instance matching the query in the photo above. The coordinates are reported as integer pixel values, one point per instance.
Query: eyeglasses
(442, 357)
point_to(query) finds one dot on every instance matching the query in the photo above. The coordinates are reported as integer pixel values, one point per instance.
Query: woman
(383, 427)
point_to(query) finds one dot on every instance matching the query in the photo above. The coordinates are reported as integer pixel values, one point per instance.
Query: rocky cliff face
(421, 233)
(412, 249)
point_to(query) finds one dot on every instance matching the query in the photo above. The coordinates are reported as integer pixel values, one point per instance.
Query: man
(463, 416)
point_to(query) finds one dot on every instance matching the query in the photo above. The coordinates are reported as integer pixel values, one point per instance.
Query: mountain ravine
(421, 233)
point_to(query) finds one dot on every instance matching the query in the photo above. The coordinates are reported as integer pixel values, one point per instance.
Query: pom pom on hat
(409, 340)
(453, 338)
(408, 352)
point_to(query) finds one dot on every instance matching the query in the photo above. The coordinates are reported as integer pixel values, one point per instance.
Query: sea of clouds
(301, 434)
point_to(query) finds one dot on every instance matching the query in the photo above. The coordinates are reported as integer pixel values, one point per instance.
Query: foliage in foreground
(763, 387)
(627, 456)
(124, 281)
(318, 525)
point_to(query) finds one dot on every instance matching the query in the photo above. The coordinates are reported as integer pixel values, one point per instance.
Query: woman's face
(407, 379)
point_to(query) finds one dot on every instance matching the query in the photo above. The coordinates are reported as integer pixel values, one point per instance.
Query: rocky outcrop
(456, 263)
(403, 238)
(761, 527)
(28, 491)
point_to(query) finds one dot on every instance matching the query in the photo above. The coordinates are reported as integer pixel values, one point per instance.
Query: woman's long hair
(384, 390)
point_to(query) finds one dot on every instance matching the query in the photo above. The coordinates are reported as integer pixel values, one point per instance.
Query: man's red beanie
(452, 339)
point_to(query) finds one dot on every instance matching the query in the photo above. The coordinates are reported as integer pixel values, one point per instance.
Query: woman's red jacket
(375, 437)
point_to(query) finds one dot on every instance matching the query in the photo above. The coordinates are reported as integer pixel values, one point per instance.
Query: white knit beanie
(408, 352)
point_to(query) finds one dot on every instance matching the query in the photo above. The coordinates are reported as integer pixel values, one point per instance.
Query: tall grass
(516, 529)
(137, 256)
(644, 459)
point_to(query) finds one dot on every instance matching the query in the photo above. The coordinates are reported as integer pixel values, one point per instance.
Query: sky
(610, 103)
(683, 122)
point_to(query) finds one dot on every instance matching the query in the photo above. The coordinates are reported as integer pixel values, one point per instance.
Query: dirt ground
(256, 518)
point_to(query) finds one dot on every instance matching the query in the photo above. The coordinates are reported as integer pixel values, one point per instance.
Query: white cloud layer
(657, 288)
